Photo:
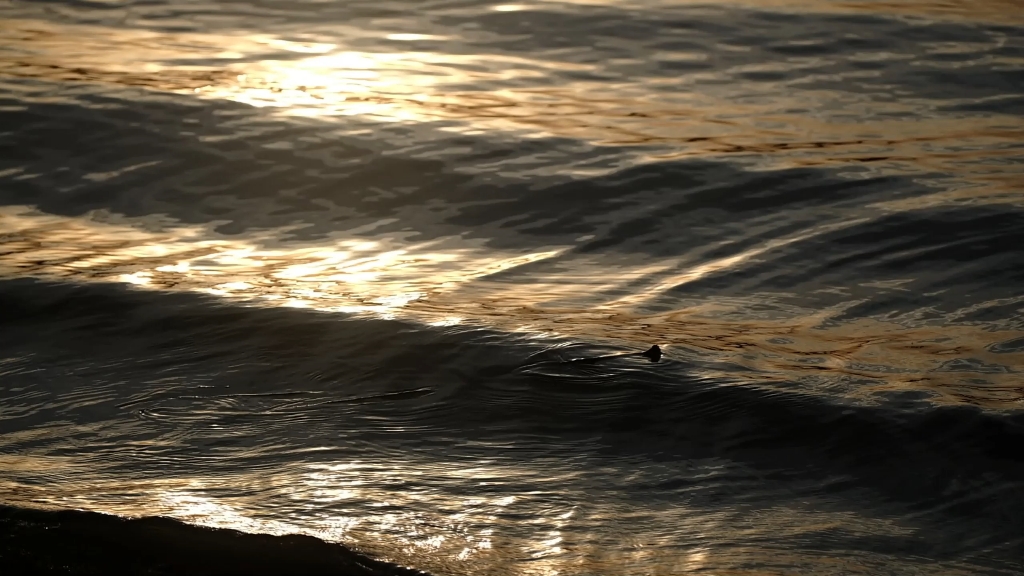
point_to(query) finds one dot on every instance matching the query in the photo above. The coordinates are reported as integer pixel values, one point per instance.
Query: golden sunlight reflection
(352, 275)
(698, 115)
(356, 503)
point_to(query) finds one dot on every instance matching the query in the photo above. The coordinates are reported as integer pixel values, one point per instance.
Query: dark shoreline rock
(74, 542)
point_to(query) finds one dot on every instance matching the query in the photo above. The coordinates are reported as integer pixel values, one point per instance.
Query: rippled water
(318, 267)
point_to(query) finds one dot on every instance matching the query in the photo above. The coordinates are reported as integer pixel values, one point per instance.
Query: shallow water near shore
(320, 267)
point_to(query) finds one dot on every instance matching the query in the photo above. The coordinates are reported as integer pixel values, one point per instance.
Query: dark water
(312, 267)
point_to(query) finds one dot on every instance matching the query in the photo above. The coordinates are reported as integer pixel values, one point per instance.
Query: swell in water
(279, 267)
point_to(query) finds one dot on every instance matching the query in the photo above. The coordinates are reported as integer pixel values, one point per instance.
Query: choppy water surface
(314, 267)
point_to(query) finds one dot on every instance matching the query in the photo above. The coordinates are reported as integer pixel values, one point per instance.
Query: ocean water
(321, 267)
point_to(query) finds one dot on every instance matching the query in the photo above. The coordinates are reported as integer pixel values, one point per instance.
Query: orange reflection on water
(783, 123)
(464, 535)
(350, 275)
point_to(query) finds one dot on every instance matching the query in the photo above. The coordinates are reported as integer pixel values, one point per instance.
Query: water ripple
(379, 273)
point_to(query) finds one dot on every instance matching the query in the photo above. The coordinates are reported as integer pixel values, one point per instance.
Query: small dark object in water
(653, 353)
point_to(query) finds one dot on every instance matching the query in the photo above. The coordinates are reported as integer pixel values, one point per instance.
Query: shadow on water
(947, 262)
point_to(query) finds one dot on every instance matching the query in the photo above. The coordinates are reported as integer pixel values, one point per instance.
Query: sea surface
(323, 267)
